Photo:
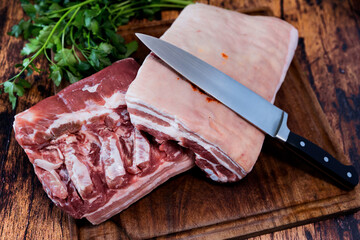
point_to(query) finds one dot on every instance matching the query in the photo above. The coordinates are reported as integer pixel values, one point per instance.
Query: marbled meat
(88, 156)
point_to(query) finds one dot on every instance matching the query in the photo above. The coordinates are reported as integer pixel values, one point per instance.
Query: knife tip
(140, 35)
(143, 37)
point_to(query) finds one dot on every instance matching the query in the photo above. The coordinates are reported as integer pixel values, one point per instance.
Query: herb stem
(74, 52)
(74, 44)
(49, 59)
(43, 48)
(119, 5)
(71, 19)
(72, 7)
(66, 26)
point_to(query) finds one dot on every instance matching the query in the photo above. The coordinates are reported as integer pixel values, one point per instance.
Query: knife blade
(250, 106)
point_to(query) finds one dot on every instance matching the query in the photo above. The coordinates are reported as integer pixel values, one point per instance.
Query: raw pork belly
(254, 50)
(88, 156)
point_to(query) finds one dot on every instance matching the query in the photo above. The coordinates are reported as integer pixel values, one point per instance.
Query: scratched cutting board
(281, 191)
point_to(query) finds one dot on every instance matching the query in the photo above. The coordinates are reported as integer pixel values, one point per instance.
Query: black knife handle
(343, 174)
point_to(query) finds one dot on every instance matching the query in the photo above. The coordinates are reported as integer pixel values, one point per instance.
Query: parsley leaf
(71, 77)
(30, 47)
(105, 47)
(56, 74)
(65, 57)
(16, 30)
(131, 47)
(29, 9)
(77, 37)
(9, 88)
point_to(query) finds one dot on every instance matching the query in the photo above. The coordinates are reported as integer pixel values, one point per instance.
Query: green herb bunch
(78, 38)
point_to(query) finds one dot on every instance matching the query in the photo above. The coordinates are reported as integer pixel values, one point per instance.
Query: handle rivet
(349, 174)
(302, 144)
(326, 159)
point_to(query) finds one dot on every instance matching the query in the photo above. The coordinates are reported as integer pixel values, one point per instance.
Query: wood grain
(269, 198)
(328, 53)
(281, 191)
(25, 211)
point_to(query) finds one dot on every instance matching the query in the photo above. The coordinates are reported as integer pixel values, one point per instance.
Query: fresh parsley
(77, 38)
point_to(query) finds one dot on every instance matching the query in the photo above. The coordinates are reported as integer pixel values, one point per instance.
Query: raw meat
(254, 50)
(86, 153)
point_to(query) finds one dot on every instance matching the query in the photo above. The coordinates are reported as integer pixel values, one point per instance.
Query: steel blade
(225, 89)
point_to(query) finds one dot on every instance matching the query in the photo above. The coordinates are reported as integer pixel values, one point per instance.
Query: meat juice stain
(210, 99)
(224, 56)
(194, 88)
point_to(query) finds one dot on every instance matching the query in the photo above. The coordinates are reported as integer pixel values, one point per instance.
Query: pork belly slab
(88, 156)
(254, 50)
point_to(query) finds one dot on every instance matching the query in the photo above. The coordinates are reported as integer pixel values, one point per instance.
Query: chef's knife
(248, 105)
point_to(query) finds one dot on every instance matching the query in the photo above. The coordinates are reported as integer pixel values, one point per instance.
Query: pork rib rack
(88, 156)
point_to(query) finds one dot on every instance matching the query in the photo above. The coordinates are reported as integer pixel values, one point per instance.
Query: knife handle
(343, 174)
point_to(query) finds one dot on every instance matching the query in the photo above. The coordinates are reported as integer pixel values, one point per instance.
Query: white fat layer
(142, 186)
(79, 116)
(136, 104)
(46, 165)
(173, 131)
(91, 200)
(214, 177)
(177, 154)
(70, 139)
(30, 116)
(141, 149)
(116, 100)
(91, 138)
(32, 136)
(60, 186)
(111, 160)
(28, 151)
(78, 172)
(211, 174)
(90, 89)
(219, 177)
(61, 156)
(64, 100)
(114, 116)
(55, 186)
(178, 135)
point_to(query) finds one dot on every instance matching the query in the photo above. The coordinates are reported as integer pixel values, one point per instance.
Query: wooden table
(329, 50)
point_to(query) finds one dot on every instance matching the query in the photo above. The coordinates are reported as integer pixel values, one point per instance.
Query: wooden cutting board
(281, 191)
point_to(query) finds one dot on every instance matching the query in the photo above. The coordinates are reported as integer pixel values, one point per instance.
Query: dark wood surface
(329, 55)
